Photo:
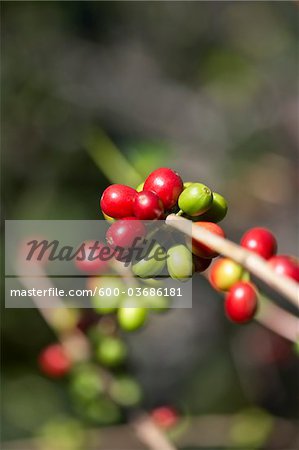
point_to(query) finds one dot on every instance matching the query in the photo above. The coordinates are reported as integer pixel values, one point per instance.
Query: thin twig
(252, 262)
(277, 319)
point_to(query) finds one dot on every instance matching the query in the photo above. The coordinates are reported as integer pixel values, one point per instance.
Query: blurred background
(101, 92)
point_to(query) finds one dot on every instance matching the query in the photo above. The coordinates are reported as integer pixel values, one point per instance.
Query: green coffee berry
(217, 211)
(64, 319)
(86, 383)
(109, 294)
(131, 317)
(111, 351)
(180, 262)
(195, 199)
(152, 265)
(125, 391)
(102, 411)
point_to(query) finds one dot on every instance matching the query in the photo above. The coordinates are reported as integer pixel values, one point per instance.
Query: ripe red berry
(241, 302)
(124, 232)
(261, 241)
(118, 201)
(148, 206)
(203, 250)
(285, 265)
(54, 362)
(167, 184)
(201, 264)
(165, 416)
(96, 263)
(124, 254)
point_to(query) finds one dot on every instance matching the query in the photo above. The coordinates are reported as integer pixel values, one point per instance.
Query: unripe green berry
(195, 199)
(102, 302)
(125, 391)
(64, 319)
(86, 383)
(152, 265)
(130, 317)
(111, 351)
(102, 411)
(217, 211)
(180, 262)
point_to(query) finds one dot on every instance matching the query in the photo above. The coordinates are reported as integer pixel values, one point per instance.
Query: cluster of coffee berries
(100, 389)
(101, 397)
(226, 275)
(132, 215)
(163, 193)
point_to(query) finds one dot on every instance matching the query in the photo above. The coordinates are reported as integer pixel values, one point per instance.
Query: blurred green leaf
(110, 160)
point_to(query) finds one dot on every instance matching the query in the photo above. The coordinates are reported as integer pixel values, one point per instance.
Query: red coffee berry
(167, 184)
(124, 254)
(203, 250)
(54, 362)
(201, 264)
(241, 302)
(165, 416)
(148, 206)
(96, 263)
(285, 265)
(124, 232)
(261, 241)
(118, 201)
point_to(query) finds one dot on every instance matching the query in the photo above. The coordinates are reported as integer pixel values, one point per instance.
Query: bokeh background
(101, 92)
